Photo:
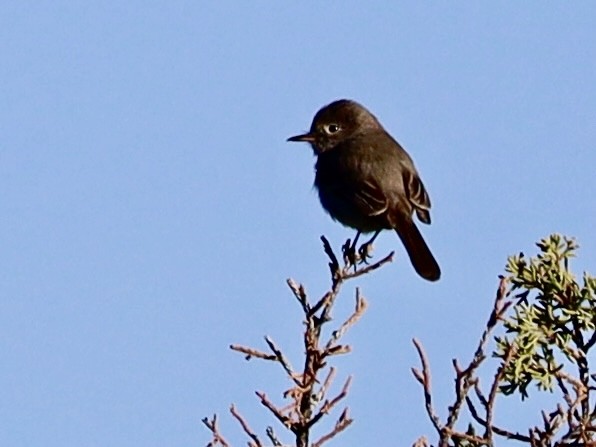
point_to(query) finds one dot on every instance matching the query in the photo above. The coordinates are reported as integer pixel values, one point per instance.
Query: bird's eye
(331, 128)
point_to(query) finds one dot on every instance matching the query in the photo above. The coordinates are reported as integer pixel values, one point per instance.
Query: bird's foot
(365, 252)
(351, 256)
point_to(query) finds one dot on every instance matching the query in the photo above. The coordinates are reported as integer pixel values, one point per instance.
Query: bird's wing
(370, 199)
(417, 195)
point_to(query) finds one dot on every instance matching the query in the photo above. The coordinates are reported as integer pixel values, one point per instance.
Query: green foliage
(553, 318)
(546, 320)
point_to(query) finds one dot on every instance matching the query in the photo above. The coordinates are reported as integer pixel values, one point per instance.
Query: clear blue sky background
(151, 209)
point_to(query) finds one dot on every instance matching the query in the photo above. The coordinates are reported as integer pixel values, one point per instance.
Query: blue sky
(151, 209)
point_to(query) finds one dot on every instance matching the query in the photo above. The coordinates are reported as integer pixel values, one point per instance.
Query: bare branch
(251, 434)
(217, 439)
(308, 401)
(326, 384)
(300, 294)
(328, 405)
(273, 409)
(359, 310)
(421, 442)
(425, 379)
(251, 352)
(281, 358)
(369, 268)
(333, 264)
(493, 392)
(342, 423)
(273, 437)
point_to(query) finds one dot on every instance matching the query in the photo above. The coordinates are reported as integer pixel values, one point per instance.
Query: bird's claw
(365, 252)
(350, 255)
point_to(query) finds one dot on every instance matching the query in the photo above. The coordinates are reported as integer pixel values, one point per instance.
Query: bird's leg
(349, 251)
(365, 250)
(353, 247)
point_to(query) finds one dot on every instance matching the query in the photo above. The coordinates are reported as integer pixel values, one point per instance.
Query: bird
(367, 181)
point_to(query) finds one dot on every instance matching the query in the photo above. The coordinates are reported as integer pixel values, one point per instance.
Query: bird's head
(337, 122)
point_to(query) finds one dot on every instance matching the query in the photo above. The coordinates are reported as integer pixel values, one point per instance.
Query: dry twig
(308, 398)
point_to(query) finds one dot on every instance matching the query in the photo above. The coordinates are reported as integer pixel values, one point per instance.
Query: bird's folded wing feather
(370, 199)
(417, 195)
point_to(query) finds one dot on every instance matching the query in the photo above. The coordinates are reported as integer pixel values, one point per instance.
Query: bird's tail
(422, 259)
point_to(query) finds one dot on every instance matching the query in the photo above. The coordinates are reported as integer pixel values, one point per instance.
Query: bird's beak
(306, 137)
